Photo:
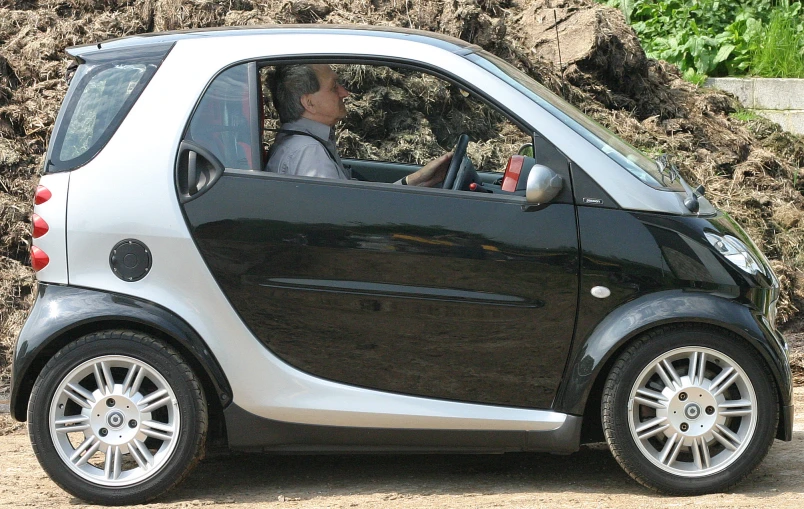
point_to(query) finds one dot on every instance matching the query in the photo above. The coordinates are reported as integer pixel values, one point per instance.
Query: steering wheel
(450, 182)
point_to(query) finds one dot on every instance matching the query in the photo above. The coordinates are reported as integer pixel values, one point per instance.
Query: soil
(588, 478)
(580, 49)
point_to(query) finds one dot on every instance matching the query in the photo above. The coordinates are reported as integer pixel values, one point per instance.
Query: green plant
(744, 115)
(695, 77)
(721, 37)
(781, 54)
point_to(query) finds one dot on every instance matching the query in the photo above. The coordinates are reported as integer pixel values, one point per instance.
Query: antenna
(558, 43)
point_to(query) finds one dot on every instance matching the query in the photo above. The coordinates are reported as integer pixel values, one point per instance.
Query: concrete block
(780, 117)
(742, 88)
(778, 94)
(790, 120)
(796, 122)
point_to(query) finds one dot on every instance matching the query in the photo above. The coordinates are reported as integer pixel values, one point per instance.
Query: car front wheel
(117, 417)
(688, 411)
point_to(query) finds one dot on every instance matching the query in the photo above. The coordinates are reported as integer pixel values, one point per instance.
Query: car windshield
(639, 165)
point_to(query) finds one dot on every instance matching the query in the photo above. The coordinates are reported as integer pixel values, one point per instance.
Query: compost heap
(749, 168)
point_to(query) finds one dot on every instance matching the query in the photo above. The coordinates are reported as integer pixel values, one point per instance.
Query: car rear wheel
(117, 417)
(688, 411)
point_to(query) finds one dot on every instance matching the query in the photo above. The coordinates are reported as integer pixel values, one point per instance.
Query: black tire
(127, 428)
(704, 463)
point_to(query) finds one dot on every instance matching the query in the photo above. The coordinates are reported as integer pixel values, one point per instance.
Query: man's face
(326, 105)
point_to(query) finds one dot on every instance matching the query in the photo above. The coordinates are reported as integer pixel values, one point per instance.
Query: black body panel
(662, 270)
(459, 296)
(587, 192)
(379, 171)
(251, 432)
(63, 313)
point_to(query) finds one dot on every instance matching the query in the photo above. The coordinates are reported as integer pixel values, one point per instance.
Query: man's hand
(432, 173)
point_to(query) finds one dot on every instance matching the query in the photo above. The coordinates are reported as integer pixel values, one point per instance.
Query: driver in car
(309, 101)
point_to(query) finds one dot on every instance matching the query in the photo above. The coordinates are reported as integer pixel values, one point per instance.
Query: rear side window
(222, 122)
(102, 92)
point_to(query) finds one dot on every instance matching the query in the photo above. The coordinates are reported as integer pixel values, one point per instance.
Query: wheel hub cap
(114, 421)
(692, 411)
(110, 425)
(687, 418)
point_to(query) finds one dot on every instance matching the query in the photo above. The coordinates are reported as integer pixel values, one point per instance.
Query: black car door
(434, 293)
(443, 294)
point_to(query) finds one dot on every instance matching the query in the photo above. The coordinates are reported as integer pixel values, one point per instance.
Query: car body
(181, 294)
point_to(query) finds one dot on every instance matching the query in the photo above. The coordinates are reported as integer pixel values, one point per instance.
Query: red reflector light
(39, 259)
(42, 195)
(40, 227)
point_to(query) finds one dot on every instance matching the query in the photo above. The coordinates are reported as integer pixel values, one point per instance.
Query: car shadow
(250, 478)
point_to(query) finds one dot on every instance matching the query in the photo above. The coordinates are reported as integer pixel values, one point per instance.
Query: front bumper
(785, 431)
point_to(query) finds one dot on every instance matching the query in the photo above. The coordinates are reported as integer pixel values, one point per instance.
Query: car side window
(407, 115)
(399, 118)
(403, 115)
(222, 122)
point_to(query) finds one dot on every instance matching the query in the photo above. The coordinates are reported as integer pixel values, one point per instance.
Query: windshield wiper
(669, 170)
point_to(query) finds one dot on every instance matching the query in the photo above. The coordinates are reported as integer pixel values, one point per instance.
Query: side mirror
(543, 184)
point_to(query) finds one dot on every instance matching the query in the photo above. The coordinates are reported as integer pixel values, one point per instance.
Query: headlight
(736, 252)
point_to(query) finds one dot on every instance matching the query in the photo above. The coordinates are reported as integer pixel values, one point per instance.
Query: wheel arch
(592, 360)
(105, 311)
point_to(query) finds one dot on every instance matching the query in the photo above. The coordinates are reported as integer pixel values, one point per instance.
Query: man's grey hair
(288, 84)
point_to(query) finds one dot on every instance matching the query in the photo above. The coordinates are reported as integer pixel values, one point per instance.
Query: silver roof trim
(442, 41)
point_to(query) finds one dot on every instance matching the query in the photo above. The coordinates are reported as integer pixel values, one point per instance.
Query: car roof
(435, 39)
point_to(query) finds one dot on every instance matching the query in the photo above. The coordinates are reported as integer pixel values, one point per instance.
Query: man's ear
(307, 102)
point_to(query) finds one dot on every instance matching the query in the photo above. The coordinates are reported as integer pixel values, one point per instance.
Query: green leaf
(723, 53)
(717, 36)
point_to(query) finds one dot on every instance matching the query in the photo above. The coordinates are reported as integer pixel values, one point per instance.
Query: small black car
(579, 291)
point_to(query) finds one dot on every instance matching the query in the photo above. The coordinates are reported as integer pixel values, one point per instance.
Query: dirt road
(589, 478)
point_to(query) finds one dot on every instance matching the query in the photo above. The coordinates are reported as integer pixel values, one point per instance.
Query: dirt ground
(588, 478)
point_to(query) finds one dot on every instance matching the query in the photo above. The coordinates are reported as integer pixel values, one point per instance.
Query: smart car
(560, 288)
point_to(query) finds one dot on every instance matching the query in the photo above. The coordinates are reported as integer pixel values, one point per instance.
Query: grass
(744, 115)
(781, 54)
(695, 77)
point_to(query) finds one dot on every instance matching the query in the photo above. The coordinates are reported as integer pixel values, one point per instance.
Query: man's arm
(432, 173)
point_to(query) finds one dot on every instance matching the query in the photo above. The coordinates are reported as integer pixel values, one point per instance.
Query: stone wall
(778, 99)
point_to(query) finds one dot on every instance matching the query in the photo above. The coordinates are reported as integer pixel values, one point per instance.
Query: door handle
(197, 170)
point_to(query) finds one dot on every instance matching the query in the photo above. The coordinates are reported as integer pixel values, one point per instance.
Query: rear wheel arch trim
(151, 319)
